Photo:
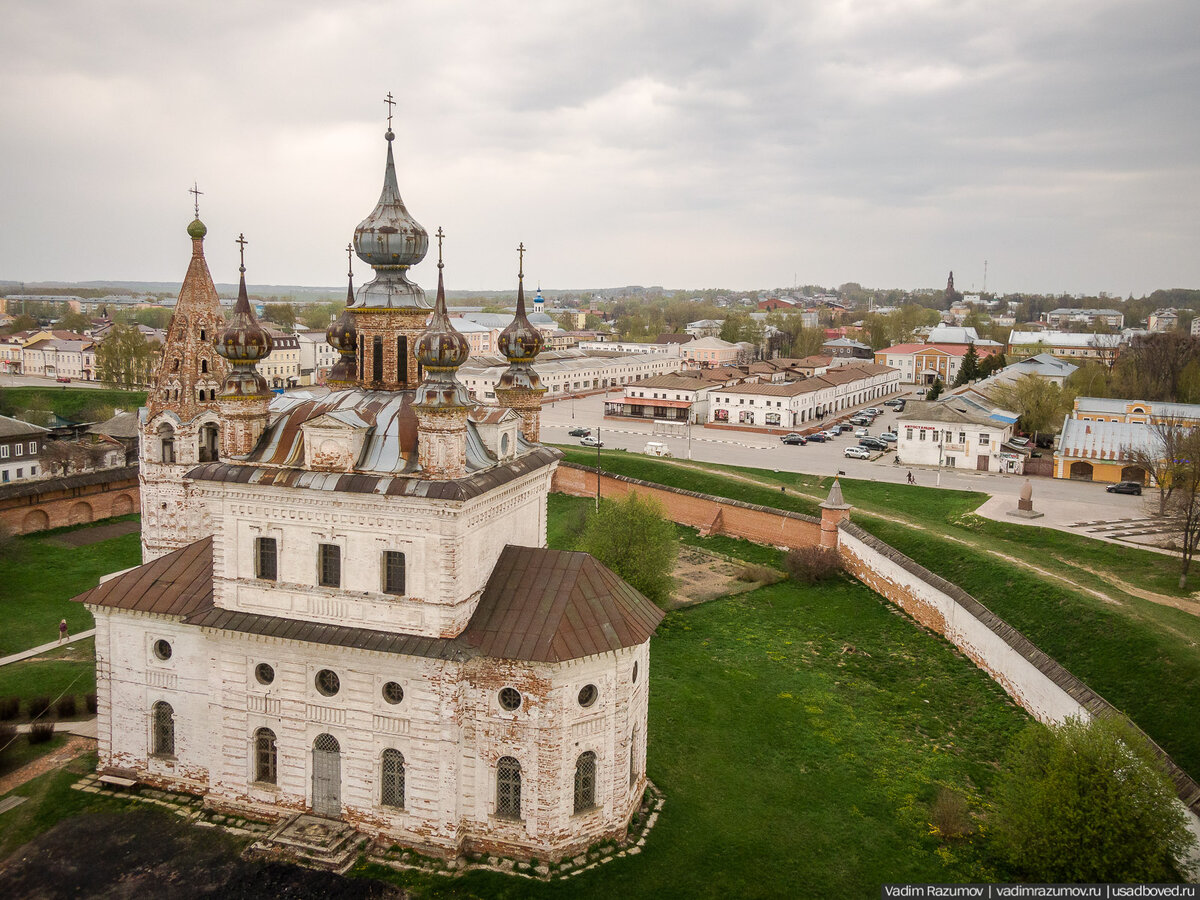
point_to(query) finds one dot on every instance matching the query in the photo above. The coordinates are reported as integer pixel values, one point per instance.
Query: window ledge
(580, 813)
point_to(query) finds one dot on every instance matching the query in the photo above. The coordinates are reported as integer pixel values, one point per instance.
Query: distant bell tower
(179, 427)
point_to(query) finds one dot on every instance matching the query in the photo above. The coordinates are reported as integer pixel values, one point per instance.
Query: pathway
(38, 651)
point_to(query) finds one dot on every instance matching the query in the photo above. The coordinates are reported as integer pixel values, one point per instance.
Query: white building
(957, 433)
(282, 367)
(800, 403)
(21, 445)
(1065, 344)
(572, 371)
(361, 620)
(676, 397)
(316, 357)
(666, 349)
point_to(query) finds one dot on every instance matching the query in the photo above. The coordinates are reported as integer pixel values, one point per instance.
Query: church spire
(244, 400)
(342, 335)
(519, 386)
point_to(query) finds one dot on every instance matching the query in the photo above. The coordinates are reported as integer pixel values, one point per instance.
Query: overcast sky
(699, 144)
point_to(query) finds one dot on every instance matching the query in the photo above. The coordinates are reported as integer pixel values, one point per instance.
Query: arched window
(508, 788)
(204, 365)
(166, 437)
(377, 358)
(208, 442)
(585, 781)
(392, 779)
(175, 364)
(265, 756)
(162, 729)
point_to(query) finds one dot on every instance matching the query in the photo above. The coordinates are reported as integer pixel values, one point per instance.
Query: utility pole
(597, 468)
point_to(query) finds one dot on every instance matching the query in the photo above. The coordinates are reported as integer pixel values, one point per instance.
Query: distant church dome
(520, 341)
(442, 346)
(197, 230)
(244, 340)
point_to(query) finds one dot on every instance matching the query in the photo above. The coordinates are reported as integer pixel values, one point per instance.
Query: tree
(1168, 437)
(1153, 366)
(124, 359)
(992, 364)
(935, 389)
(1089, 802)
(1184, 504)
(969, 369)
(316, 316)
(1040, 403)
(73, 321)
(282, 314)
(22, 323)
(634, 538)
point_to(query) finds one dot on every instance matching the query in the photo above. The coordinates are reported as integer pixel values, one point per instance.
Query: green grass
(38, 578)
(51, 674)
(68, 402)
(799, 735)
(20, 752)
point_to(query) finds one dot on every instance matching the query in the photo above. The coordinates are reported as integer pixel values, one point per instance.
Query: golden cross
(197, 194)
(440, 234)
(242, 242)
(390, 103)
(521, 252)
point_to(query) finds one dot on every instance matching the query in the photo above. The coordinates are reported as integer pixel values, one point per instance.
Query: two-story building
(798, 404)
(21, 447)
(675, 397)
(926, 363)
(957, 433)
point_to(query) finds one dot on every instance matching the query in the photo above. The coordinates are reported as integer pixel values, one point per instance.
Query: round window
(510, 699)
(328, 683)
(587, 695)
(162, 649)
(392, 692)
(263, 673)
(635, 671)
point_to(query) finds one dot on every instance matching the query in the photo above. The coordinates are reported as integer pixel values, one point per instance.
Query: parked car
(873, 411)
(862, 433)
(1019, 441)
(861, 420)
(63, 379)
(820, 437)
(872, 443)
(1125, 487)
(590, 441)
(889, 437)
(794, 438)
(894, 402)
(857, 452)
(656, 448)
(579, 432)
(830, 434)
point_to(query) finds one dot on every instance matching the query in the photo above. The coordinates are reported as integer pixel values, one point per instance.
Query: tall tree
(1184, 505)
(935, 389)
(1040, 403)
(282, 314)
(969, 369)
(124, 359)
(634, 538)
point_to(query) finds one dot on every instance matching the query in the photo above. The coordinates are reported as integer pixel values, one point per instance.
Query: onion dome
(197, 230)
(342, 335)
(390, 240)
(244, 342)
(441, 346)
(520, 341)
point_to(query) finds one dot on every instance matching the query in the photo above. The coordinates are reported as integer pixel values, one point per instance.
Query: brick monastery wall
(712, 515)
(1033, 679)
(30, 506)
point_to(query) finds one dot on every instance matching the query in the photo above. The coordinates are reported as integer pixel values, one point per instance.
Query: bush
(66, 706)
(41, 732)
(810, 565)
(10, 708)
(8, 734)
(949, 814)
(91, 703)
(39, 706)
(761, 574)
(634, 538)
(1089, 802)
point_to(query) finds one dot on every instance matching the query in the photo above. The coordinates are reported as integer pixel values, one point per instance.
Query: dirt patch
(75, 746)
(1187, 605)
(144, 853)
(701, 576)
(85, 536)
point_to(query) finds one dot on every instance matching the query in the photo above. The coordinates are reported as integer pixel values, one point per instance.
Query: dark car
(1125, 487)
(819, 437)
(872, 443)
(794, 438)
(579, 432)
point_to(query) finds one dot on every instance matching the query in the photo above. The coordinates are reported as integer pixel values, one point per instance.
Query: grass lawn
(71, 669)
(20, 752)
(1142, 656)
(800, 735)
(68, 402)
(39, 576)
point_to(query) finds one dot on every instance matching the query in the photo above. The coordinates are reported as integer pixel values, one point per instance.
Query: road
(7, 380)
(1063, 502)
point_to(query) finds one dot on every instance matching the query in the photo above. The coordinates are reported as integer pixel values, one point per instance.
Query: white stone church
(347, 607)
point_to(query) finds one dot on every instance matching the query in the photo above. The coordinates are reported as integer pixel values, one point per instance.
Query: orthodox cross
(521, 253)
(350, 258)
(390, 103)
(440, 234)
(196, 194)
(242, 242)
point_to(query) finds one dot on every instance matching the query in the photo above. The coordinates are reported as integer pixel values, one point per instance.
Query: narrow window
(633, 753)
(402, 359)
(508, 788)
(377, 358)
(585, 781)
(362, 350)
(330, 565)
(265, 756)
(392, 779)
(204, 365)
(162, 740)
(393, 572)
(265, 559)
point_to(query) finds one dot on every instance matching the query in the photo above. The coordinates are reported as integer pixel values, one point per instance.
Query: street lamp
(941, 446)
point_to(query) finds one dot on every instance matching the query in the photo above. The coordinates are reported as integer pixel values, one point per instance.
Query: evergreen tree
(969, 370)
(935, 389)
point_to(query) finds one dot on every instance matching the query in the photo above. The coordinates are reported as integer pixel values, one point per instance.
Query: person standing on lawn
(62, 631)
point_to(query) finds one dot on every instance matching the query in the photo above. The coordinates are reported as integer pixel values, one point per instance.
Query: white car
(857, 452)
(830, 435)
(862, 433)
(590, 441)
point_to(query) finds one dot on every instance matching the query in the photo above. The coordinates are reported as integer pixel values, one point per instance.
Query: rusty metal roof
(178, 584)
(539, 605)
(553, 605)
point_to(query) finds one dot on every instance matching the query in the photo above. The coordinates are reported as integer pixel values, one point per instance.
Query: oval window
(162, 649)
(393, 693)
(587, 695)
(263, 673)
(328, 683)
(510, 699)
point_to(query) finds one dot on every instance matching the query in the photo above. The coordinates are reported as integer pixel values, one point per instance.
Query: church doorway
(327, 776)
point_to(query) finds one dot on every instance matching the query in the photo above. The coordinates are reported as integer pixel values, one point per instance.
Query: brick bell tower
(244, 399)
(390, 312)
(520, 388)
(179, 427)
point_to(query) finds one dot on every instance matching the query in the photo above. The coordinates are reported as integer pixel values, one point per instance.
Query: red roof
(948, 349)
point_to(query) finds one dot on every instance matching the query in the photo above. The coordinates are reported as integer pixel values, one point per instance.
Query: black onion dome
(342, 335)
(244, 340)
(442, 346)
(520, 341)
